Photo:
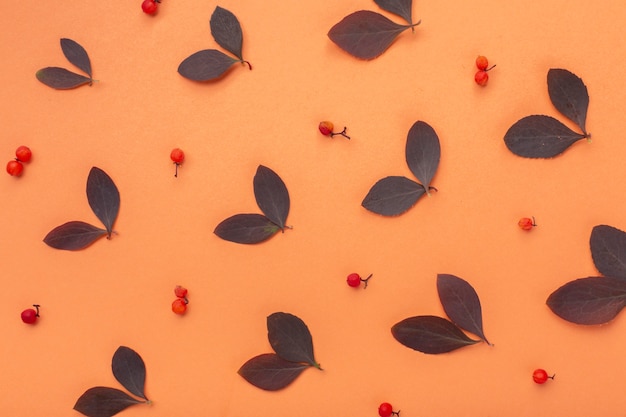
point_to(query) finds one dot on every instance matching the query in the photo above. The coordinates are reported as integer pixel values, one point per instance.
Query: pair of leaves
(366, 34)
(104, 200)
(210, 64)
(272, 198)
(392, 196)
(541, 136)
(291, 340)
(63, 79)
(130, 371)
(433, 334)
(596, 300)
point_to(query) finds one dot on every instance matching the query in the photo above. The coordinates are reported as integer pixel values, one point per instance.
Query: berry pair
(481, 77)
(540, 376)
(15, 167)
(179, 306)
(354, 280)
(178, 156)
(326, 129)
(526, 223)
(30, 315)
(386, 410)
(150, 6)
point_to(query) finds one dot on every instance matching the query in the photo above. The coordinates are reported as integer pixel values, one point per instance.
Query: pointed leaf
(365, 34)
(103, 402)
(76, 54)
(271, 195)
(130, 371)
(608, 250)
(290, 338)
(61, 79)
(540, 136)
(103, 197)
(423, 152)
(246, 228)
(206, 65)
(591, 300)
(226, 31)
(461, 304)
(392, 196)
(569, 95)
(402, 8)
(73, 235)
(271, 373)
(430, 334)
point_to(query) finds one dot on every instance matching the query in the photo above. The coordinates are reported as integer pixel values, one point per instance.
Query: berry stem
(37, 309)
(365, 280)
(249, 64)
(342, 133)
(490, 68)
(176, 170)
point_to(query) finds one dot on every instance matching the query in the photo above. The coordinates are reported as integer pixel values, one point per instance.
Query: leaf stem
(246, 62)
(412, 26)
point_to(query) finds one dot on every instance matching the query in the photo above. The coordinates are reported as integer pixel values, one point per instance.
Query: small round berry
(326, 128)
(540, 376)
(15, 168)
(180, 291)
(354, 280)
(179, 306)
(29, 316)
(178, 156)
(386, 410)
(481, 78)
(149, 6)
(23, 154)
(482, 63)
(526, 223)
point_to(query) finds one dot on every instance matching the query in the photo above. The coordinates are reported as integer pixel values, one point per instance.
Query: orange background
(119, 292)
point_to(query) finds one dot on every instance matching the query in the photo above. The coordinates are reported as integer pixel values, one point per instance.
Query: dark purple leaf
(206, 65)
(423, 152)
(540, 136)
(129, 370)
(591, 300)
(246, 228)
(430, 334)
(402, 8)
(461, 304)
(608, 250)
(103, 197)
(569, 95)
(76, 54)
(104, 402)
(392, 196)
(269, 372)
(73, 235)
(271, 195)
(365, 34)
(226, 31)
(290, 338)
(61, 79)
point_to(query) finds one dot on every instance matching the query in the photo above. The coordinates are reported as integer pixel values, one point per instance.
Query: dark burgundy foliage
(540, 136)
(423, 152)
(226, 31)
(246, 228)
(271, 195)
(76, 54)
(430, 334)
(392, 196)
(63, 79)
(402, 8)
(74, 235)
(290, 338)
(103, 402)
(608, 250)
(130, 371)
(569, 95)
(270, 372)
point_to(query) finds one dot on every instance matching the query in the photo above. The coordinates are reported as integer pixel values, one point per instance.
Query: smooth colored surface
(119, 292)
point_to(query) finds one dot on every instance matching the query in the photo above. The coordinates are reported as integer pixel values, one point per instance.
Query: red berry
(354, 280)
(326, 128)
(540, 376)
(149, 6)
(179, 306)
(29, 316)
(386, 410)
(15, 168)
(23, 154)
(526, 223)
(178, 156)
(181, 292)
(481, 78)
(482, 63)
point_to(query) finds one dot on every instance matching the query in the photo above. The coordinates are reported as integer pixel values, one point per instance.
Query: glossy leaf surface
(608, 250)
(569, 95)
(270, 372)
(271, 195)
(461, 304)
(540, 136)
(226, 31)
(129, 369)
(290, 338)
(76, 54)
(103, 402)
(246, 228)
(74, 235)
(206, 65)
(402, 8)
(61, 79)
(430, 334)
(392, 196)
(103, 197)
(423, 152)
(591, 300)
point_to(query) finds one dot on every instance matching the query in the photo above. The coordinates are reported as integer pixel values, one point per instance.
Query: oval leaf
(290, 338)
(129, 370)
(540, 136)
(226, 31)
(402, 8)
(423, 152)
(392, 196)
(271, 195)
(569, 95)
(246, 228)
(430, 334)
(608, 250)
(461, 304)
(76, 54)
(61, 79)
(365, 34)
(103, 197)
(269, 372)
(206, 65)
(103, 402)
(591, 300)
(73, 235)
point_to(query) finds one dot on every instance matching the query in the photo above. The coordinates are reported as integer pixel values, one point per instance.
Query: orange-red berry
(481, 78)
(526, 223)
(149, 6)
(180, 291)
(326, 128)
(30, 315)
(540, 376)
(179, 306)
(15, 168)
(482, 63)
(178, 156)
(386, 410)
(354, 280)
(23, 153)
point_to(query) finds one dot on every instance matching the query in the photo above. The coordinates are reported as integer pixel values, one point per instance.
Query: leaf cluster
(130, 371)
(433, 334)
(63, 79)
(292, 342)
